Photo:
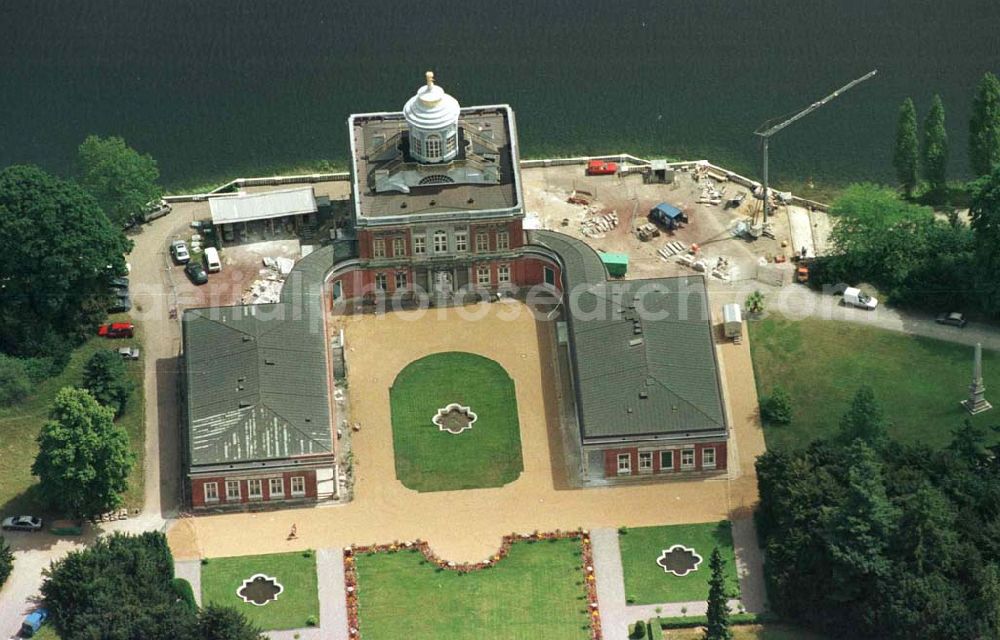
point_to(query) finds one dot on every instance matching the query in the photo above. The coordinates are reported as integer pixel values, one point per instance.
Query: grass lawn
(918, 381)
(647, 583)
(748, 632)
(221, 577)
(21, 424)
(486, 455)
(535, 592)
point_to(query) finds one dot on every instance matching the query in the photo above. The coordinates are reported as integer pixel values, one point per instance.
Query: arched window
(432, 147)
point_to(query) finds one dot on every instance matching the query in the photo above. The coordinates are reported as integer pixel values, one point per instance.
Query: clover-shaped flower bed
(587, 555)
(679, 560)
(259, 589)
(454, 418)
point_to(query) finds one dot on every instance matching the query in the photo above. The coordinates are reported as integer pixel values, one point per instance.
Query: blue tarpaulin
(669, 212)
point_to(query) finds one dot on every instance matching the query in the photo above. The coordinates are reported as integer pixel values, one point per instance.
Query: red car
(601, 168)
(116, 330)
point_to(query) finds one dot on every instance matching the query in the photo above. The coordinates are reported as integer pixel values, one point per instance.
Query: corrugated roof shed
(245, 207)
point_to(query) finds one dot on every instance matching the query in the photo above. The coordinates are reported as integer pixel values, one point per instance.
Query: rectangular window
(624, 464)
(482, 242)
(503, 240)
(687, 459)
(276, 487)
(298, 486)
(483, 276)
(666, 461)
(400, 279)
(232, 489)
(380, 281)
(211, 492)
(419, 245)
(503, 273)
(461, 241)
(398, 247)
(440, 241)
(708, 458)
(378, 249)
(255, 489)
(645, 462)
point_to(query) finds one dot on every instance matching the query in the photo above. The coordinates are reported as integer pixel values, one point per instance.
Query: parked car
(116, 330)
(129, 353)
(601, 168)
(22, 523)
(212, 261)
(155, 209)
(119, 283)
(122, 303)
(858, 298)
(196, 273)
(33, 622)
(954, 318)
(179, 252)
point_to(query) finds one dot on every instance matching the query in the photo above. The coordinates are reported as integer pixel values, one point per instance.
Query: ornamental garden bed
(455, 424)
(537, 585)
(296, 604)
(646, 580)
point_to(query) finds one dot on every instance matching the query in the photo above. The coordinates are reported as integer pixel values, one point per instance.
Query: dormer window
(432, 147)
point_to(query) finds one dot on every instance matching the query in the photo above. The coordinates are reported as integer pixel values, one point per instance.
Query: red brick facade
(201, 494)
(659, 455)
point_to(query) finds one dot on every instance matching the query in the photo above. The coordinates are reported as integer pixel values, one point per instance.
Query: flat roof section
(262, 205)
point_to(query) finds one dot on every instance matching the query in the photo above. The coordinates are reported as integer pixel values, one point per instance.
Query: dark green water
(219, 89)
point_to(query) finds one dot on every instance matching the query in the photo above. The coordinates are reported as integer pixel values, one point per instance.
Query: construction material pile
(597, 226)
(266, 289)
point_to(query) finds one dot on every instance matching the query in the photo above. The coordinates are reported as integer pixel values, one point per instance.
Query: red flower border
(587, 566)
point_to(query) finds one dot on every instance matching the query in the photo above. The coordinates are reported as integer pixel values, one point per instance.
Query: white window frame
(451, 143)
(440, 241)
(669, 467)
(415, 145)
(398, 247)
(483, 275)
(482, 242)
(432, 147)
(381, 281)
(503, 273)
(399, 281)
(646, 468)
(503, 240)
(270, 487)
(211, 491)
(624, 464)
(378, 248)
(685, 453)
(230, 495)
(300, 480)
(259, 485)
(461, 241)
(419, 245)
(705, 464)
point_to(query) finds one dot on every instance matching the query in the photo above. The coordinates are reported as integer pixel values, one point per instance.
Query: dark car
(121, 304)
(119, 283)
(116, 330)
(196, 272)
(954, 318)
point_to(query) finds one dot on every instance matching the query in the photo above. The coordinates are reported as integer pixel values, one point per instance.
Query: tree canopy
(84, 458)
(106, 378)
(57, 251)
(6, 561)
(935, 151)
(907, 152)
(985, 220)
(984, 126)
(717, 613)
(121, 179)
(864, 420)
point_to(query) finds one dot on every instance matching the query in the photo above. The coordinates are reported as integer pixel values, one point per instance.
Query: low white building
(266, 215)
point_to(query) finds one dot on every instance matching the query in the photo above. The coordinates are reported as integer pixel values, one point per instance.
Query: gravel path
(190, 570)
(332, 602)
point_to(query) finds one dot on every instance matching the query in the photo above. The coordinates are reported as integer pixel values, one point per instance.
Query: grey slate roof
(256, 375)
(642, 350)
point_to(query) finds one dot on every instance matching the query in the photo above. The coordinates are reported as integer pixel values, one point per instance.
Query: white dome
(431, 108)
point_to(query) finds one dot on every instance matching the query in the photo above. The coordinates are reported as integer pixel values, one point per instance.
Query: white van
(857, 298)
(212, 262)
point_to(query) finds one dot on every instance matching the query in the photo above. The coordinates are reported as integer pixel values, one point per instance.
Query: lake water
(219, 89)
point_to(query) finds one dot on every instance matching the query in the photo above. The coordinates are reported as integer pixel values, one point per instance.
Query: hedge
(684, 622)
(184, 591)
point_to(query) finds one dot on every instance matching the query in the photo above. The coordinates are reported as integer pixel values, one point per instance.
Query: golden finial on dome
(430, 78)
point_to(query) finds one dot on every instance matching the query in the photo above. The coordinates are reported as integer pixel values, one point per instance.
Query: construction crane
(766, 130)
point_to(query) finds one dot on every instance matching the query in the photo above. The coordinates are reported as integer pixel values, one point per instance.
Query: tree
(907, 151)
(718, 603)
(226, 623)
(6, 561)
(106, 378)
(984, 212)
(864, 420)
(984, 126)
(84, 458)
(935, 153)
(755, 302)
(15, 385)
(121, 179)
(57, 252)
(777, 407)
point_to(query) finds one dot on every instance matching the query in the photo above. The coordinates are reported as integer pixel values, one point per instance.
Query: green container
(615, 263)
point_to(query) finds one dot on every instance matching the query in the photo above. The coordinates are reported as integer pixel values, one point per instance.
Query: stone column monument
(977, 391)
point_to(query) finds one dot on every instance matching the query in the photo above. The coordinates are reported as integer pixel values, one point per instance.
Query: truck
(601, 168)
(33, 622)
(858, 298)
(732, 322)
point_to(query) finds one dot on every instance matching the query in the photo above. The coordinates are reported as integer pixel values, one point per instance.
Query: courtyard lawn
(647, 583)
(535, 592)
(299, 600)
(486, 455)
(918, 381)
(20, 425)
